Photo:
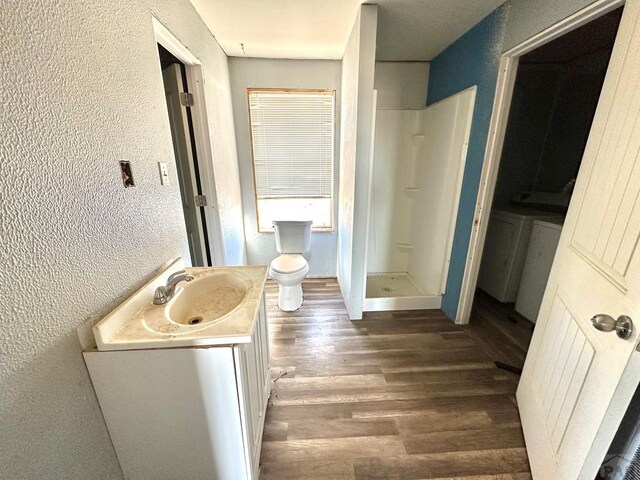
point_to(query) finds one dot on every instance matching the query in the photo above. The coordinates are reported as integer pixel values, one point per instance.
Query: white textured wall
(80, 89)
(401, 85)
(266, 73)
(225, 159)
(529, 17)
(358, 69)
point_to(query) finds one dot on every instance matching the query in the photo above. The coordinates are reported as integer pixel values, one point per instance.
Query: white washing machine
(505, 249)
(543, 244)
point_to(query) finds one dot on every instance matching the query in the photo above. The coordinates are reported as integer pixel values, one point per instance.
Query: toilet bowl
(288, 270)
(293, 238)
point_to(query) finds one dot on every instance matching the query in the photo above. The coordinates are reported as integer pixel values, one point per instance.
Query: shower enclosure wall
(416, 181)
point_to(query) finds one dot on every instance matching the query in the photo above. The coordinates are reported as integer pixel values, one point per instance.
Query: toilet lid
(289, 263)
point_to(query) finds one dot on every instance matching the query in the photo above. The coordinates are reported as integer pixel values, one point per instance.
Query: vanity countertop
(139, 324)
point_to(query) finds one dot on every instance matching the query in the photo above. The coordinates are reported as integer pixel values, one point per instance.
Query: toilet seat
(288, 263)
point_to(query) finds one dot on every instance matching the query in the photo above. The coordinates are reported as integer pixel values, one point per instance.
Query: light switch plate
(164, 173)
(127, 174)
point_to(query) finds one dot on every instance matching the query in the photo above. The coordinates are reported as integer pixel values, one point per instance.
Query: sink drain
(195, 321)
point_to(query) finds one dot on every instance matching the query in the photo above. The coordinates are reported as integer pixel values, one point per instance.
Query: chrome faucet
(166, 292)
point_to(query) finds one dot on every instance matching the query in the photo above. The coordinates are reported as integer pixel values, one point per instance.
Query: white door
(574, 372)
(173, 87)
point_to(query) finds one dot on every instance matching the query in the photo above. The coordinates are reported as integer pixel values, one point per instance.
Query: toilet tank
(292, 236)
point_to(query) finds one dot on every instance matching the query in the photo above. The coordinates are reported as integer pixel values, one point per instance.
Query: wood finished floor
(397, 395)
(500, 331)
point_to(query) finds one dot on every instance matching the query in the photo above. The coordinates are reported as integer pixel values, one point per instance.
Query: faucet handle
(160, 296)
(174, 275)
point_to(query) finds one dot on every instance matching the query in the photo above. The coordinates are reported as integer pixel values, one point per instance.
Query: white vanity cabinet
(186, 413)
(253, 380)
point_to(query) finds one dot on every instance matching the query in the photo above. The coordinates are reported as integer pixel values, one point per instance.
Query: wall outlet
(164, 173)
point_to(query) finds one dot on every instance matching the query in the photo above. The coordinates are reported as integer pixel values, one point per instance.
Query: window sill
(313, 230)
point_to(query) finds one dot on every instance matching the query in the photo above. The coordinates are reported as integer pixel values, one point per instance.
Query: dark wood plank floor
(397, 395)
(501, 332)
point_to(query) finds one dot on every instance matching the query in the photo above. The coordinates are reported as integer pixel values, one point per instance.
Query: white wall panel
(441, 161)
(393, 190)
(356, 135)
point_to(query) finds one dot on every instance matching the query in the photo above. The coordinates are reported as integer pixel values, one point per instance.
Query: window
(292, 135)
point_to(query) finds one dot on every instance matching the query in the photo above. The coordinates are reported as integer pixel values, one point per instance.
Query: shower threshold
(397, 291)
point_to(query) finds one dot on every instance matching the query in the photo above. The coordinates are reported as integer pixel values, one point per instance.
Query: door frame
(204, 155)
(497, 130)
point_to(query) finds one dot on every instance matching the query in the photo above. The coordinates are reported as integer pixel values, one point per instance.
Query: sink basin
(211, 297)
(218, 307)
(208, 299)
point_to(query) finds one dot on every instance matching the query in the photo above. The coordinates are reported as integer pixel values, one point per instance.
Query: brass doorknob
(623, 326)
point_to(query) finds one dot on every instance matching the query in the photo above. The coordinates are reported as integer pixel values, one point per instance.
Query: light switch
(164, 173)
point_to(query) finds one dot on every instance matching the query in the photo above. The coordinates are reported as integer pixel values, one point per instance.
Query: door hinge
(201, 200)
(186, 99)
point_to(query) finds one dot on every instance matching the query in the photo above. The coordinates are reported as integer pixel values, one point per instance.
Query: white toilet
(289, 269)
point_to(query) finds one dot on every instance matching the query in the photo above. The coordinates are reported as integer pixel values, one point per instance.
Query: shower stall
(417, 172)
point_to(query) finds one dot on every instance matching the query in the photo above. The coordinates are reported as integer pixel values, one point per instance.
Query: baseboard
(388, 304)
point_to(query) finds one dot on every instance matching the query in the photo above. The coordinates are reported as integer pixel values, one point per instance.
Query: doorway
(553, 103)
(179, 102)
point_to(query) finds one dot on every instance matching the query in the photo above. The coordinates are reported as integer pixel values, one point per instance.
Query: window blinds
(292, 136)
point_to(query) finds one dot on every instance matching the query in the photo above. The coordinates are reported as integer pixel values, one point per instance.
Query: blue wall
(472, 60)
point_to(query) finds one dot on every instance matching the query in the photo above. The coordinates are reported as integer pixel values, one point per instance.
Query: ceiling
(421, 29)
(407, 29)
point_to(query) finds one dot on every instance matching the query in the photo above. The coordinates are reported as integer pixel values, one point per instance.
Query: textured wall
(529, 17)
(266, 73)
(401, 85)
(472, 60)
(80, 89)
(358, 69)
